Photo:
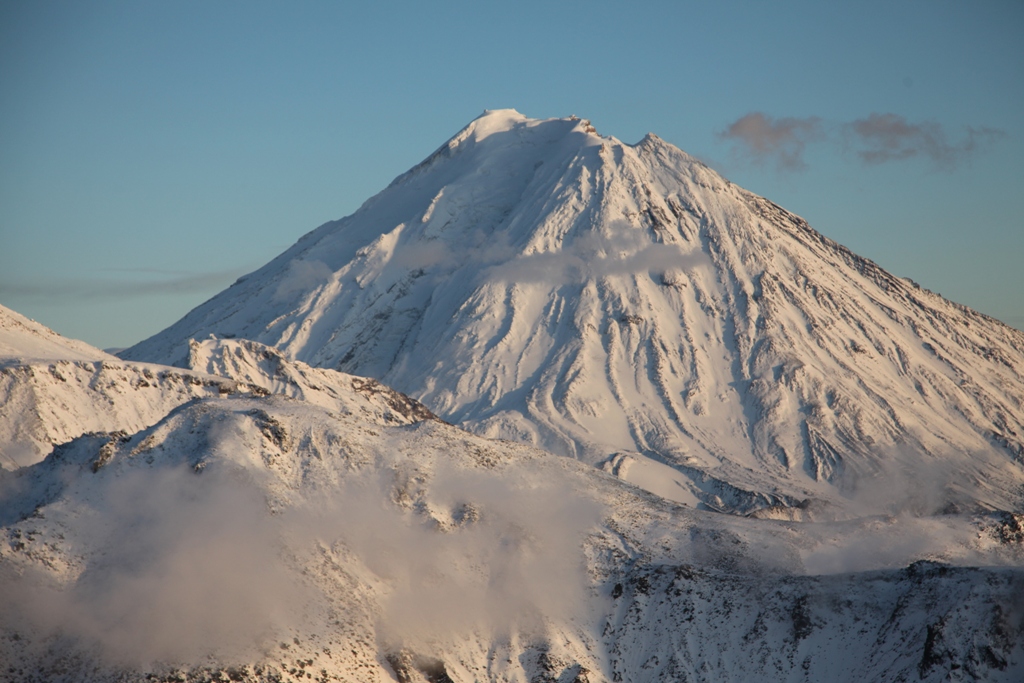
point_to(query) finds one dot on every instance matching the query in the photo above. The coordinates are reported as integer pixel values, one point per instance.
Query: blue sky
(150, 153)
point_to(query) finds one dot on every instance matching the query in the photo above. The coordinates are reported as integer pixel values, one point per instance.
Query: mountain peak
(498, 119)
(534, 281)
(522, 128)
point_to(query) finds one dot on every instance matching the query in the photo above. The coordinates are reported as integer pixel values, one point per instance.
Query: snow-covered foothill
(47, 399)
(258, 365)
(49, 403)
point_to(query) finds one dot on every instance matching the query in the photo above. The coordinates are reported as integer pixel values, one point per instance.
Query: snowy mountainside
(262, 539)
(624, 304)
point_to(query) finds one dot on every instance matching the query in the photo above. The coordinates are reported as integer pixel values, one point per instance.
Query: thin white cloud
(594, 256)
(181, 567)
(86, 289)
(302, 276)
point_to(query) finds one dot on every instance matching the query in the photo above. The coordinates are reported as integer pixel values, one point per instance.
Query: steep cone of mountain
(624, 304)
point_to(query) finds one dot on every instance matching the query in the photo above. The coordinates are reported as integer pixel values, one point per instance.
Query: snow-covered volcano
(624, 304)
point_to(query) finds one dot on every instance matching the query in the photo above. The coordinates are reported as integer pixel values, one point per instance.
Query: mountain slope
(624, 304)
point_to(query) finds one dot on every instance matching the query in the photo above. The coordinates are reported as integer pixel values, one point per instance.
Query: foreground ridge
(266, 538)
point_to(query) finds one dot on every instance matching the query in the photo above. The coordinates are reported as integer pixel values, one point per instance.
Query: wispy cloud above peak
(761, 138)
(877, 139)
(890, 137)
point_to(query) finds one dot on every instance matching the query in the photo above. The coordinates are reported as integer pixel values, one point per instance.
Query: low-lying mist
(168, 567)
(476, 551)
(165, 566)
(915, 505)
